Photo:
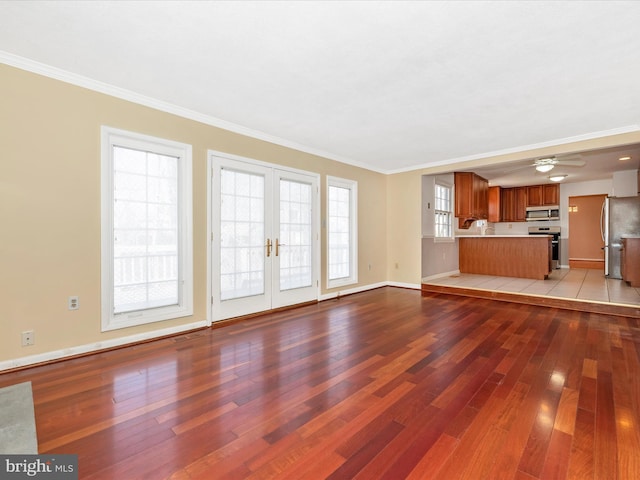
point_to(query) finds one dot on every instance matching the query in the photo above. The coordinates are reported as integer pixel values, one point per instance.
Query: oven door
(555, 247)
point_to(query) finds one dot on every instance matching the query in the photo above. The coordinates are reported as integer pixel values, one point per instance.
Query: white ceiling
(392, 86)
(598, 165)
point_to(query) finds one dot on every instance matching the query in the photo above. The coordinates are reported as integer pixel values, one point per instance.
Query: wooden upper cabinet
(475, 199)
(514, 204)
(534, 196)
(481, 197)
(543, 195)
(520, 197)
(494, 205)
(508, 204)
(551, 194)
(471, 192)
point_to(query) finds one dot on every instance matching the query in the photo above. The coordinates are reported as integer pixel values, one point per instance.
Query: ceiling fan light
(544, 168)
(557, 178)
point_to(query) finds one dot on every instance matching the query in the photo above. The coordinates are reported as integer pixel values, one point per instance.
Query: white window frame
(352, 186)
(436, 236)
(112, 137)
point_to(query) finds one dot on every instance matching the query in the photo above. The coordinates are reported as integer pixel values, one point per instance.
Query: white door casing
(264, 233)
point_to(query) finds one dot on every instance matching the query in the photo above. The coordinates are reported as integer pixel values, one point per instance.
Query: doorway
(264, 240)
(585, 239)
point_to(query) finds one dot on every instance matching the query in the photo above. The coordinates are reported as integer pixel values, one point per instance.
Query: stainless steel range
(555, 241)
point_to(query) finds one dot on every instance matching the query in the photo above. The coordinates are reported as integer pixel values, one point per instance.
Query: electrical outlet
(74, 303)
(28, 338)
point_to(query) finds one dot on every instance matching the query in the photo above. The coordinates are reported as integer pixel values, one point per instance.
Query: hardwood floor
(390, 383)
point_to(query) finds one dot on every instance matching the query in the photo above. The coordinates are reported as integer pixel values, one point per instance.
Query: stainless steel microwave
(548, 212)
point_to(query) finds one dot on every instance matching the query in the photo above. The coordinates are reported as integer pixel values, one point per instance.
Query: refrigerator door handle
(602, 220)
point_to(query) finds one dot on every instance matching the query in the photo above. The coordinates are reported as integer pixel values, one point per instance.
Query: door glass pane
(241, 234)
(295, 235)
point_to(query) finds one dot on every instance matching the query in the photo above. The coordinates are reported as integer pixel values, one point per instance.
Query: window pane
(145, 229)
(339, 232)
(443, 211)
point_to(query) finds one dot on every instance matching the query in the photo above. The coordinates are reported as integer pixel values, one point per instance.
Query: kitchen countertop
(501, 236)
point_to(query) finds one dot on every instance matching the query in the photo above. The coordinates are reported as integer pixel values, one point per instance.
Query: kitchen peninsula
(524, 256)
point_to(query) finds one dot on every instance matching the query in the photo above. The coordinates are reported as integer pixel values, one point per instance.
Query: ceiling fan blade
(571, 163)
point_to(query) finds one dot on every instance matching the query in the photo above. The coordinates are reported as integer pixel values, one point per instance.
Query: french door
(264, 242)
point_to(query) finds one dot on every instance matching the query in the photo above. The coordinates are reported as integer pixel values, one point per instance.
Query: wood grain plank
(390, 383)
(605, 445)
(566, 415)
(431, 463)
(581, 460)
(559, 451)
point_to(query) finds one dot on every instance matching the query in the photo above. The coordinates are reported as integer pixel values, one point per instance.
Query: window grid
(145, 230)
(146, 223)
(443, 212)
(342, 232)
(339, 232)
(295, 234)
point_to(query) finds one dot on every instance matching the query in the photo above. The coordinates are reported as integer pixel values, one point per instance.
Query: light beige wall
(404, 232)
(50, 207)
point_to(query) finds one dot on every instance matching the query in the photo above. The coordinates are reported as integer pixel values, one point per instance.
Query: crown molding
(523, 148)
(130, 96)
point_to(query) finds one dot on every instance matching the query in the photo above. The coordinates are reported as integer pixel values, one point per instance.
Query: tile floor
(581, 284)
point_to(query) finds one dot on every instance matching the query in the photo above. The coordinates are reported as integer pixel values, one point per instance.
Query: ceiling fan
(546, 164)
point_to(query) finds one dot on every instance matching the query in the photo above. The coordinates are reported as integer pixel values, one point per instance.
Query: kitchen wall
(438, 257)
(405, 224)
(50, 211)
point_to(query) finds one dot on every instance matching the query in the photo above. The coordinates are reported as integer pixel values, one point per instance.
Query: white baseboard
(364, 288)
(141, 337)
(414, 286)
(95, 347)
(440, 275)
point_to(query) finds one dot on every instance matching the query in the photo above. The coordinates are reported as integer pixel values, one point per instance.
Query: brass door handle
(268, 245)
(278, 245)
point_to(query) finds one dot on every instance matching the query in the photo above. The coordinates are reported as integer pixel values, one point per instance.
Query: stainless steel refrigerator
(620, 216)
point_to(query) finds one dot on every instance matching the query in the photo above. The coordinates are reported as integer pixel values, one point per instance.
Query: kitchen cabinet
(534, 195)
(543, 195)
(514, 204)
(471, 193)
(522, 256)
(520, 197)
(514, 201)
(494, 211)
(551, 194)
(630, 261)
(507, 205)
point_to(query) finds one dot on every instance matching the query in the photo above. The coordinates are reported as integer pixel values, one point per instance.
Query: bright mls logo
(52, 467)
